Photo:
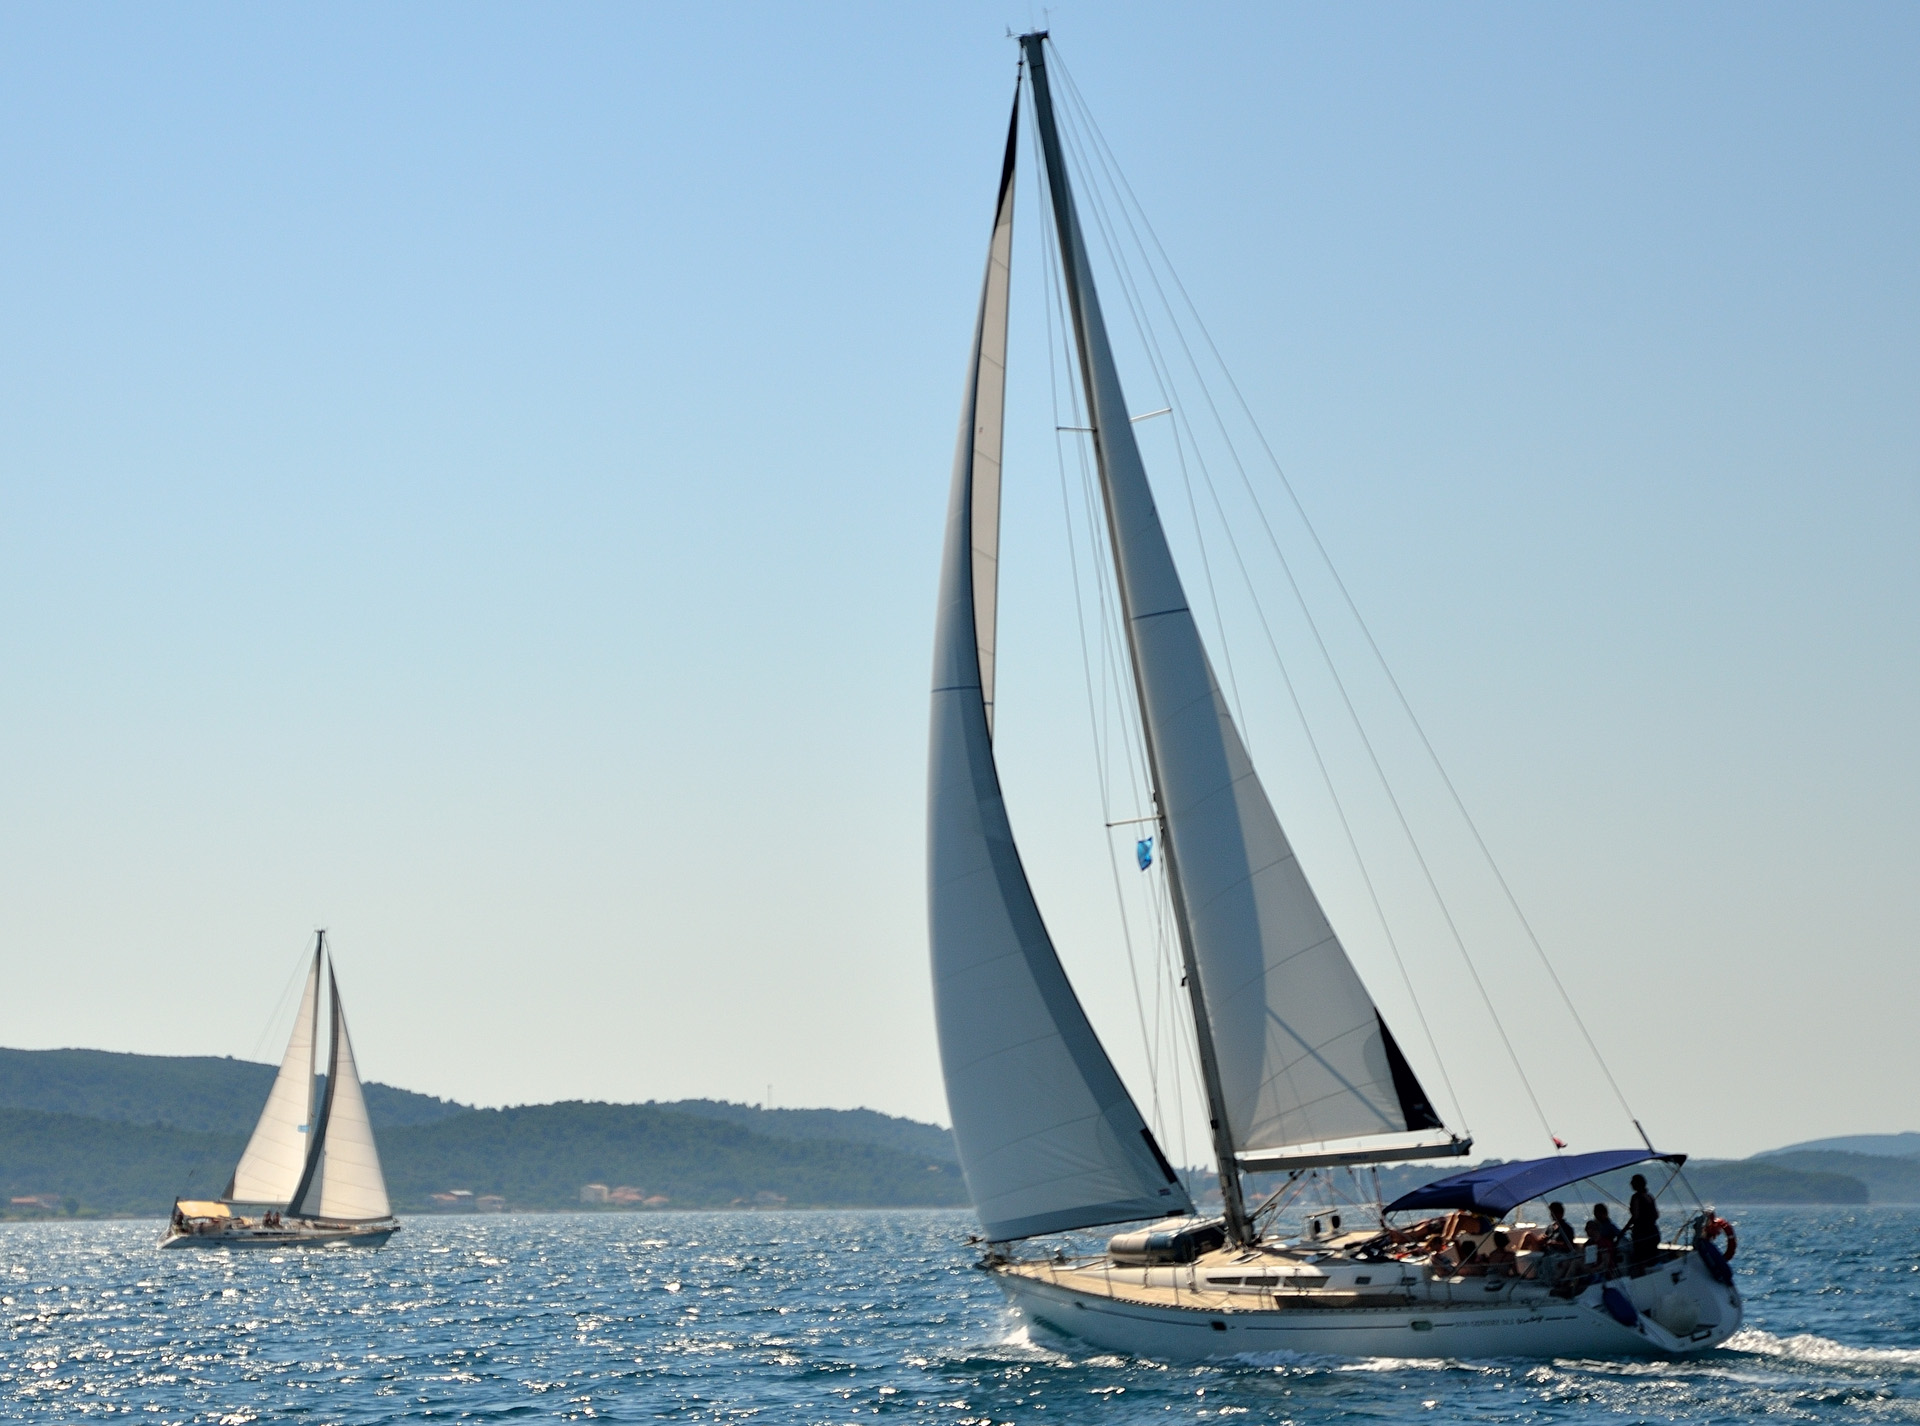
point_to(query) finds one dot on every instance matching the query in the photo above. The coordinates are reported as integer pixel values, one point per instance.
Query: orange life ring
(1713, 1228)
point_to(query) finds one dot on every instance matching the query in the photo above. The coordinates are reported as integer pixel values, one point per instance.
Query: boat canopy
(1500, 1188)
(202, 1208)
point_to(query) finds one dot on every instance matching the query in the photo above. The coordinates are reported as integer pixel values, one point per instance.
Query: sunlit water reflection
(831, 1317)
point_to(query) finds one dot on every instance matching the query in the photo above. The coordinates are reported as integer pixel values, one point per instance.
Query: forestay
(1048, 1137)
(269, 1171)
(1302, 1054)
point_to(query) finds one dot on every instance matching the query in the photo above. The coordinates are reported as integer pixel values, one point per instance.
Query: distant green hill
(536, 1157)
(1901, 1146)
(541, 1155)
(104, 1166)
(855, 1126)
(1760, 1181)
(200, 1093)
(1888, 1178)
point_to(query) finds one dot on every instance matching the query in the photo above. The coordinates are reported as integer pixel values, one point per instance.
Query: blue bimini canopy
(1498, 1189)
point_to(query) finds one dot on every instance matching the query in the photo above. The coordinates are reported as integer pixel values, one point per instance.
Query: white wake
(1820, 1351)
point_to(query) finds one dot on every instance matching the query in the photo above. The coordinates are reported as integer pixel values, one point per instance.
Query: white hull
(293, 1235)
(1438, 1319)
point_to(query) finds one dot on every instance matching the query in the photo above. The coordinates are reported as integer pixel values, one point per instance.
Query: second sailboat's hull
(1442, 1321)
(371, 1235)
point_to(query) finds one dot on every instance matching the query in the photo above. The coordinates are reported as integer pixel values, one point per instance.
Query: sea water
(833, 1317)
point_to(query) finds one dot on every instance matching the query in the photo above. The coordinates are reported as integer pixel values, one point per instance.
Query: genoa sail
(1302, 1054)
(342, 1181)
(1049, 1138)
(269, 1170)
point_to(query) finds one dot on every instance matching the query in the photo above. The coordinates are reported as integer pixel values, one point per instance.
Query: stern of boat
(1678, 1306)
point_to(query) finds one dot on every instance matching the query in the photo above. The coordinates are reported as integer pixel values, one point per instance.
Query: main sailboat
(311, 1167)
(1298, 1066)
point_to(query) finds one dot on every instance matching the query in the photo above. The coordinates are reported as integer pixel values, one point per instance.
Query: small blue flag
(1145, 852)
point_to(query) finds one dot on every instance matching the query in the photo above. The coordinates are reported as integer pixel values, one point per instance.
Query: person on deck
(1643, 1221)
(1559, 1232)
(1459, 1258)
(1603, 1239)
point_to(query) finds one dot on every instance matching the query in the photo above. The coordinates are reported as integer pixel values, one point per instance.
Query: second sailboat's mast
(1083, 304)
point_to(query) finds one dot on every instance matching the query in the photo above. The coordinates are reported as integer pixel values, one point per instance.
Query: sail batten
(1293, 1050)
(1048, 1137)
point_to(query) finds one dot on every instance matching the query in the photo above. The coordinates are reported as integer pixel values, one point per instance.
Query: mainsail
(1300, 1053)
(341, 1181)
(276, 1155)
(1048, 1137)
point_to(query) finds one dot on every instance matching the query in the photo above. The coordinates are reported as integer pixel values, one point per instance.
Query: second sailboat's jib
(1302, 1054)
(342, 1181)
(1048, 1137)
(270, 1168)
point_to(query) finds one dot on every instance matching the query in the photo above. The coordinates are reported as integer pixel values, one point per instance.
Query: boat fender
(1718, 1268)
(1620, 1307)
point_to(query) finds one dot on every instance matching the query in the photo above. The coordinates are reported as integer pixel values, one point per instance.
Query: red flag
(1558, 1142)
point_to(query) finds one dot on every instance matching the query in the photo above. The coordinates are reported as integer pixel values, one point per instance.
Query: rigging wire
(1171, 1049)
(264, 1040)
(1094, 712)
(1353, 608)
(1124, 193)
(1095, 205)
(1156, 356)
(1162, 375)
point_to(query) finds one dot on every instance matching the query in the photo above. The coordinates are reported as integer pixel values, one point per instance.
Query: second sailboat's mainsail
(1302, 1054)
(342, 1181)
(276, 1155)
(1048, 1137)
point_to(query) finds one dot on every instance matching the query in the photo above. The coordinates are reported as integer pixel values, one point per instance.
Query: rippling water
(832, 1317)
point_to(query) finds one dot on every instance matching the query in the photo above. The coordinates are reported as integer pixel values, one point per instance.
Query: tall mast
(1096, 373)
(306, 1201)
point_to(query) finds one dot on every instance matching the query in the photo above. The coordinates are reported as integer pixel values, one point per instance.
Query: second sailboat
(311, 1168)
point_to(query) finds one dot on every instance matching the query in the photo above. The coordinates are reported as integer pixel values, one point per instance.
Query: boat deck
(1271, 1279)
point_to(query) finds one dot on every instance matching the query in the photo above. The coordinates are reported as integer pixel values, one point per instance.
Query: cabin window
(1362, 1281)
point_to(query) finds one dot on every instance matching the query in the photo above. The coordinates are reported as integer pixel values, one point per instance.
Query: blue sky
(472, 476)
